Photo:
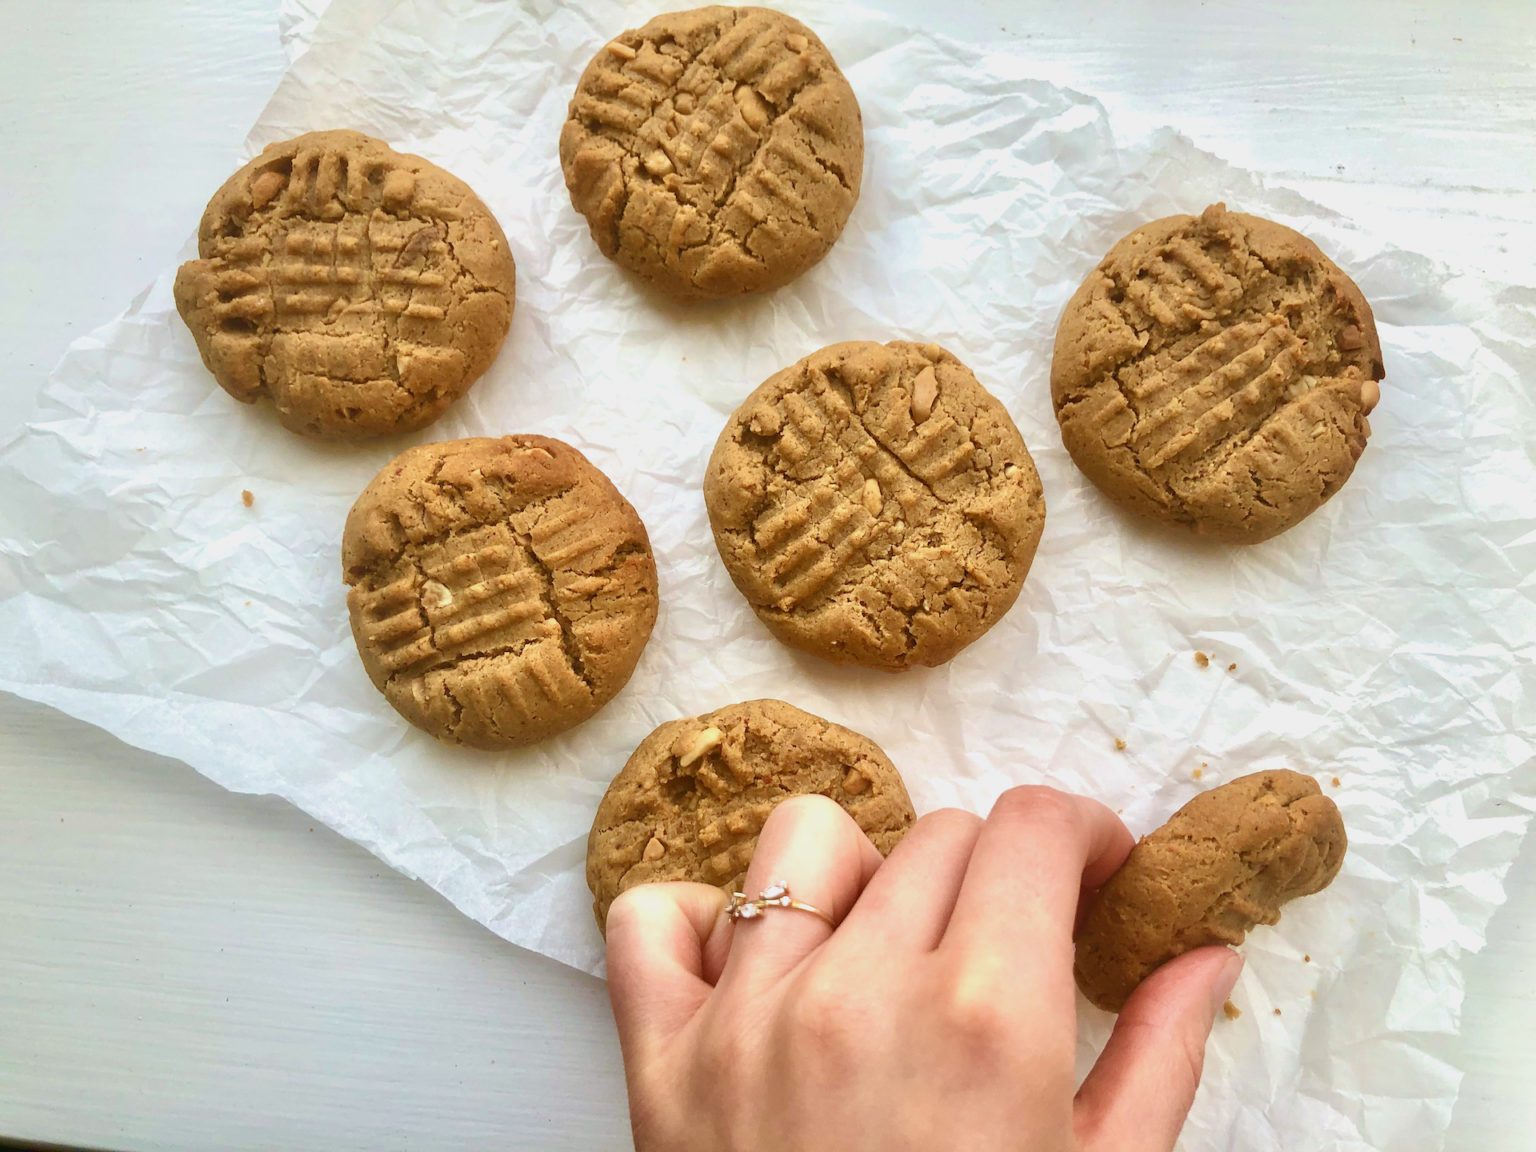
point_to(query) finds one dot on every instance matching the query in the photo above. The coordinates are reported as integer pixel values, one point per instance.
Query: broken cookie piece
(1226, 861)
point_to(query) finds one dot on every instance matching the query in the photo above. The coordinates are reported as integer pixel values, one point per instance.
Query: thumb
(658, 969)
(1136, 1097)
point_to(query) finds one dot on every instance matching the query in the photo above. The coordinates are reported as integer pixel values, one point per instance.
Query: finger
(814, 847)
(907, 903)
(658, 936)
(1097, 874)
(1036, 853)
(1136, 1097)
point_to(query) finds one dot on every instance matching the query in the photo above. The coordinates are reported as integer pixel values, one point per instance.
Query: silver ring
(776, 895)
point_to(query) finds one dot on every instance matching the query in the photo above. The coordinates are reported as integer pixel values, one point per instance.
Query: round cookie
(875, 504)
(1215, 371)
(501, 590)
(714, 152)
(691, 799)
(360, 290)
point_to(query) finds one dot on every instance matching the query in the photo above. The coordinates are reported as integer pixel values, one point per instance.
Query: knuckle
(1191, 1059)
(622, 927)
(1037, 804)
(950, 820)
(1185, 1059)
(804, 805)
(800, 816)
(823, 1010)
(974, 1003)
(628, 907)
(727, 1046)
(651, 1124)
(999, 1032)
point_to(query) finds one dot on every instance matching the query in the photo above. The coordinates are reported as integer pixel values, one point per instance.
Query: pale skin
(939, 1014)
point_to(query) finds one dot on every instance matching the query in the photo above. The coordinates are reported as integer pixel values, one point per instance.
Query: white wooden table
(182, 968)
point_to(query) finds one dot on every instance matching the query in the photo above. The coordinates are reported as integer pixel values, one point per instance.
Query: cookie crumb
(1306, 959)
(247, 497)
(1335, 781)
(1232, 667)
(1119, 744)
(1231, 1011)
(1199, 773)
(1202, 659)
(1277, 1011)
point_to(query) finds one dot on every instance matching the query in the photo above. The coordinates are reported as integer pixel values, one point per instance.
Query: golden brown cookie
(361, 290)
(501, 590)
(714, 152)
(1215, 371)
(1226, 861)
(689, 803)
(875, 504)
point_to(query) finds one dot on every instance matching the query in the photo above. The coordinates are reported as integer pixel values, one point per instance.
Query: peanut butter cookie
(360, 290)
(714, 152)
(1215, 372)
(875, 504)
(501, 590)
(689, 803)
(1226, 861)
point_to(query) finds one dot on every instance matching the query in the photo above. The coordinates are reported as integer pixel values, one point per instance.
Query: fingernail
(1224, 980)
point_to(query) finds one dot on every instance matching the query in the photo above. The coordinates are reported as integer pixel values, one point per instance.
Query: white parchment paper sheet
(1387, 641)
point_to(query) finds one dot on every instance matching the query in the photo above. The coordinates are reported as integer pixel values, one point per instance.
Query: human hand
(940, 1014)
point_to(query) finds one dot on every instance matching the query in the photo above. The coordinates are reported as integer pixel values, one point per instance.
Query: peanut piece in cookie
(697, 747)
(924, 393)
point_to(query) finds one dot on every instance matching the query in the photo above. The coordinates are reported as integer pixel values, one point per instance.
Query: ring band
(776, 895)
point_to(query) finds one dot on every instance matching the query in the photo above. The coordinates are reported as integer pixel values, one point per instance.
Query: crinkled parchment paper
(1387, 641)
